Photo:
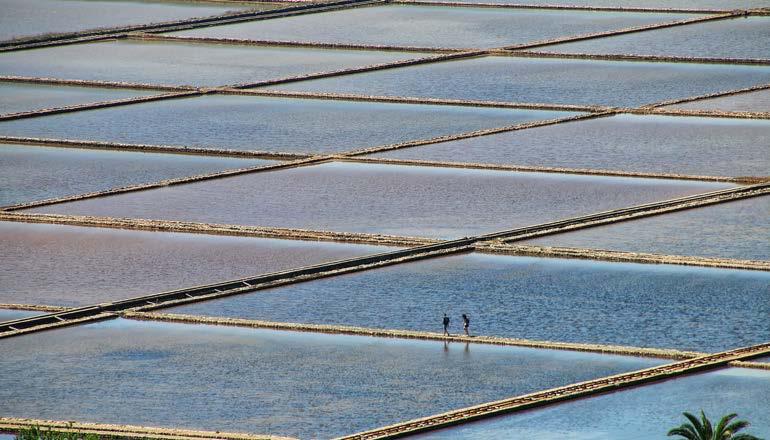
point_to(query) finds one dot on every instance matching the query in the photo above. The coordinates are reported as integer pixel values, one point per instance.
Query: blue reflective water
(563, 81)
(270, 124)
(181, 63)
(262, 381)
(727, 230)
(663, 144)
(70, 265)
(24, 97)
(744, 37)
(743, 102)
(387, 199)
(434, 26)
(35, 173)
(30, 17)
(10, 315)
(534, 298)
(638, 413)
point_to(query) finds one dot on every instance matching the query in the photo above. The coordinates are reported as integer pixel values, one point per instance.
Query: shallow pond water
(758, 101)
(10, 315)
(70, 265)
(727, 230)
(562, 81)
(663, 144)
(387, 199)
(24, 97)
(270, 124)
(35, 173)
(23, 18)
(744, 37)
(433, 26)
(180, 63)
(647, 412)
(262, 381)
(534, 298)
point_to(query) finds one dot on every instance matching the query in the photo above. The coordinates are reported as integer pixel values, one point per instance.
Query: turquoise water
(745, 37)
(727, 230)
(534, 298)
(433, 26)
(35, 173)
(387, 199)
(563, 81)
(270, 124)
(10, 315)
(74, 266)
(24, 97)
(22, 18)
(743, 102)
(179, 63)
(638, 413)
(663, 144)
(262, 381)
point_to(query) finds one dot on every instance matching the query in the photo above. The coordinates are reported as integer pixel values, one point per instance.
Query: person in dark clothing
(466, 323)
(446, 325)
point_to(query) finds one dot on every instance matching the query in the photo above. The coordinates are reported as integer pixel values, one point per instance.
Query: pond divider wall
(189, 23)
(701, 113)
(98, 83)
(498, 247)
(709, 96)
(146, 148)
(628, 30)
(33, 307)
(416, 100)
(126, 431)
(163, 183)
(630, 213)
(410, 334)
(539, 169)
(233, 287)
(559, 7)
(636, 57)
(361, 69)
(289, 43)
(95, 105)
(561, 394)
(216, 229)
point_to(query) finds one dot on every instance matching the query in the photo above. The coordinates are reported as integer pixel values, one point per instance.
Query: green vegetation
(37, 433)
(703, 429)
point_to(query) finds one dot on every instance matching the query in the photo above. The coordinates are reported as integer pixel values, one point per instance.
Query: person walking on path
(466, 323)
(446, 325)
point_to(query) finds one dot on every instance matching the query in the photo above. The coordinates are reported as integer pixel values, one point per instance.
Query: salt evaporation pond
(386, 199)
(73, 266)
(661, 144)
(24, 18)
(24, 97)
(545, 80)
(181, 63)
(640, 305)
(726, 5)
(758, 101)
(10, 315)
(639, 413)
(743, 37)
(33, 173)
(263, 381)
(726, 230)
(270, 124)
(434, 26)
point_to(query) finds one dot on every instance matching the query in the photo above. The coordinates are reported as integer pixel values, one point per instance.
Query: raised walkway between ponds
(560, 394)
(13, 424)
